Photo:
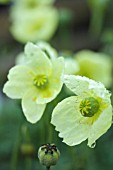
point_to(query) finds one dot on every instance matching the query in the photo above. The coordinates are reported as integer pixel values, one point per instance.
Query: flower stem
(14, 157)
(50, 133)
(47, 167)
(28, 161)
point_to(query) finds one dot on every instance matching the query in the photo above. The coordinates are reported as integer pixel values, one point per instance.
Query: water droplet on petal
(93, 145)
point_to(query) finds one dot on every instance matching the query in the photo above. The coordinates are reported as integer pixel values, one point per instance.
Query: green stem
(47, 167)
(50, 133)
(28, 163)
(45, 127)
(14, 157)
(96, 22)
(48, 128)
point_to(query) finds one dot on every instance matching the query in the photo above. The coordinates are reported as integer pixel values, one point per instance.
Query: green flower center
(89, 106)
(40, 81)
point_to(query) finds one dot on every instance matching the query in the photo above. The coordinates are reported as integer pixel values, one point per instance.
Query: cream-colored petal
(50, 51)
(71, 66)
(20, 79)
(32, 111)
(38, 61)
(76, 135)
(100, 126)
(55, 82)
(21, 59)
(77, 84)
(67, 119)
(57, 76)
(31, 49)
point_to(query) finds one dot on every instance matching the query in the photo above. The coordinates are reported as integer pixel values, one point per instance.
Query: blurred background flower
(94, 65)
(32, 3)
(97, 66)
(31, 24)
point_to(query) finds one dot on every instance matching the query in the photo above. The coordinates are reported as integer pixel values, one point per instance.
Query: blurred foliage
(98, 9)
(4, 1)
(20, 140)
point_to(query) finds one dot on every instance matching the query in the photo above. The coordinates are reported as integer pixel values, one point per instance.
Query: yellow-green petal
(68, 121)
(32, 111)
(50, 51)
(71, 66)
(57, 76)
(38, 61)
(100, 126)
(21, 59)
(19, 80)
(55, 82)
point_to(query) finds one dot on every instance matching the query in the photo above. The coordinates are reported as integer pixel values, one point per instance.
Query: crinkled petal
(20, 79)
(100, 126)
(79, 85)
(76, 84)
(67, 119)
(55, 82)
(38, 60)
(32, 111)
(100, 91)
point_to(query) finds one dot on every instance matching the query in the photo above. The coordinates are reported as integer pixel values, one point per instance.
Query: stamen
(40, 81)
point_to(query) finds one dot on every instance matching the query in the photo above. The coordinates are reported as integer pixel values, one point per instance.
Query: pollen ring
(40, 81)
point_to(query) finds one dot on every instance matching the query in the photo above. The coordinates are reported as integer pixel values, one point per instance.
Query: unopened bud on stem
(48, 155)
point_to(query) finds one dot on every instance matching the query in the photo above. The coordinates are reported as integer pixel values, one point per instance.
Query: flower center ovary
(89, 106)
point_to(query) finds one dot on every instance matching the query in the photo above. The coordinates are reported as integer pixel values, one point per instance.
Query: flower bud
(48, 154)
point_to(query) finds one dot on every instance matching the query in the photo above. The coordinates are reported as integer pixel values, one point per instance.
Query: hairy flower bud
(48, 154)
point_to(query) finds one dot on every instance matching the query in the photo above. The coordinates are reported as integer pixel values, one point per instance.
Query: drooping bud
(48, 154)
